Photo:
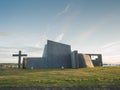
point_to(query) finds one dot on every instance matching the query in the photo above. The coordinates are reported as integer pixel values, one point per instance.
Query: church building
(58, 55)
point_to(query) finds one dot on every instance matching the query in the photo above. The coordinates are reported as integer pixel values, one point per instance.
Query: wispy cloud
(111, 48)
(34, 49)
(95, 27)
(42, 41)
(59, 37)
(111, 52)
(4, 34)
(65, 10)
(87, 34)
(111, 44)
(111, 59)
(6, 53)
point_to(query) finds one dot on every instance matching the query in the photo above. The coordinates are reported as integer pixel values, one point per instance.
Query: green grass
(85, 77)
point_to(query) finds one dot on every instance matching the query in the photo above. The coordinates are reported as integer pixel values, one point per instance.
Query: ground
(83, 77)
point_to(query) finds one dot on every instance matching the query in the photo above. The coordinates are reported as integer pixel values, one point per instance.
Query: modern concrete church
(58, 55)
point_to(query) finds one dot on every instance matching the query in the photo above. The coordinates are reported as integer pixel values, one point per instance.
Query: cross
(19, 57)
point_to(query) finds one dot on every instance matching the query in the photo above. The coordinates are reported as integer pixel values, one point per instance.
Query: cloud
(4, 34)
(111, 44)
(87, 34)
(31, 44)
(66, 9)
(110, 52)
(34, 49)
(111, 48)
(6, 53)
(59, 37)
(95, 27)
(42, 41)
(111, 59)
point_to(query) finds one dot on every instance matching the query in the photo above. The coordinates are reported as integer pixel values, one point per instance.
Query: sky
(89, 26)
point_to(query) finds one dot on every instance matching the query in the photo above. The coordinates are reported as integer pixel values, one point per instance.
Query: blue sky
(89, 26)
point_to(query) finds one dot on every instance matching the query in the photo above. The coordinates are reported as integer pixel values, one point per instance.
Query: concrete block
(81, 61)
(96, 59)
(34, 63)
(88, 61)
(85, 61)
(74, 59)
(58, 55)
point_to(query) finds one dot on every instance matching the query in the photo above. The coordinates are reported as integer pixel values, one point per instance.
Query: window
(94, 57)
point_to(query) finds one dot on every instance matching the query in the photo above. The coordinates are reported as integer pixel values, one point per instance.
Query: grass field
(85, 77)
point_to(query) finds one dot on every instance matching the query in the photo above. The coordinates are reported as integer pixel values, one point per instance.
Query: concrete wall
(45, 51)
(88, 61)
(85, 61)
(58, 55)
(74, 59)
(96, 61)
(35, 63)
(81, 61)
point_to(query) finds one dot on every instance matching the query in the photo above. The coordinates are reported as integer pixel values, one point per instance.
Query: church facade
(58, 55)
